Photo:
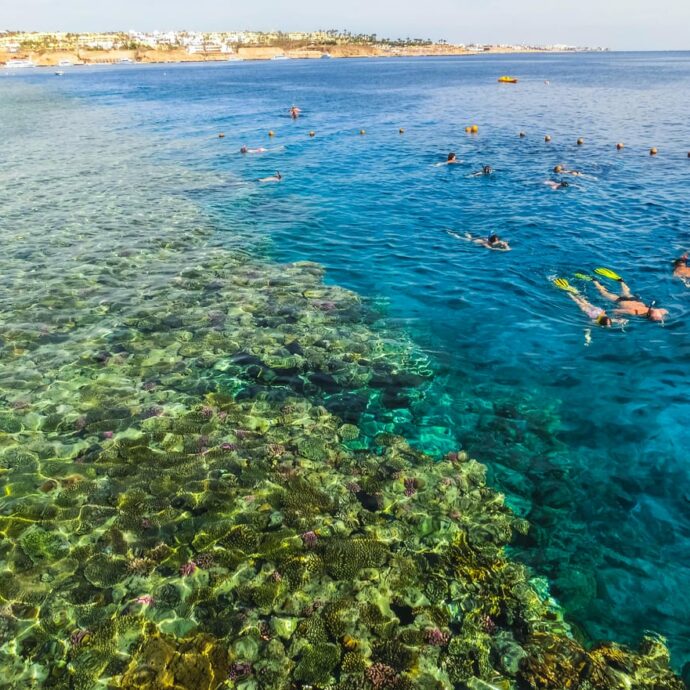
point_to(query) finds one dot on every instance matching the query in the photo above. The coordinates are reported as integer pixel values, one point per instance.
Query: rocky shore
(90, 57)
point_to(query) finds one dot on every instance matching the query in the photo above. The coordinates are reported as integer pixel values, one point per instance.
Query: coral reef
(201, 488)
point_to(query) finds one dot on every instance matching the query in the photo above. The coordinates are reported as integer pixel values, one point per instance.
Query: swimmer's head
(487, 170)
(493, 238)
(604, 321)
(278, 175)
(244, 149)
(655, 314)
(565, 183)
(452, 156)
(558, 169)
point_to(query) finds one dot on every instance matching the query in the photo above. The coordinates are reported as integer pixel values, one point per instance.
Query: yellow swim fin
(563, 284)
(582, 276)
(607, 273)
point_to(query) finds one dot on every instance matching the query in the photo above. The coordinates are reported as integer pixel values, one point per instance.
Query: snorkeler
(486, 170)
(273, 178)
(596, 314)
(452, 159)
(626, 302)
(261, 149)
(493, 241)
(557, 185)
(560, 170)
(681, 269)
(295, 112)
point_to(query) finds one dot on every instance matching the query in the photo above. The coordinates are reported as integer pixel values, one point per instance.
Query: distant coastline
(45, 49)
(53, 58)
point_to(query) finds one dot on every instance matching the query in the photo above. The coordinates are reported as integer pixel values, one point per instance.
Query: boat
(280, 57)
(59, 73)
(235, 58)
(19, 64)
(508, 80)
(325, 56)
(125, 61)
(65, 63)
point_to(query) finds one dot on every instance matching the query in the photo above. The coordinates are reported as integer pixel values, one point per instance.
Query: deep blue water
(588, 439)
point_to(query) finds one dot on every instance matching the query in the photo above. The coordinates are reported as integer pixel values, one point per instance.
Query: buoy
(580, 141)
(401, 131)
(221, 135)
(620, 145)
(522, 135)
(475, 129)
(312, 134)
(362, 131)
(271, 133)
(547, 138)
(653, 151)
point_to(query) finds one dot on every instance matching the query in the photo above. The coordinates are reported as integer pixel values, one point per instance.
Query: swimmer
(630, 304)
(245, 150)
(295, 112)
(681, 269)
(560, 170)
(596, 314)
(274, 178)
(486, 170)
(493, 241)
(557, 185)
(452, 159)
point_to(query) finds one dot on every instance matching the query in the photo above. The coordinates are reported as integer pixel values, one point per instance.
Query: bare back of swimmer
(486, 170)
(273, 178)
(629, 304)
(245, 150)
(557, 185)
(493, 241)
(680, 268)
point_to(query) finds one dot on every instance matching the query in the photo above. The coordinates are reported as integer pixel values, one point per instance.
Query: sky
(615, 24)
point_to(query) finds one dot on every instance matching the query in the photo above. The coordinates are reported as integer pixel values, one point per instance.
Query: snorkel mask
(603, 320)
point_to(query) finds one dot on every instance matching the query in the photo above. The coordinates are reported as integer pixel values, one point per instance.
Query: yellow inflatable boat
(508, 80)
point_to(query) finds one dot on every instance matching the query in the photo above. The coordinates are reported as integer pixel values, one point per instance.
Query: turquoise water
(588, 440)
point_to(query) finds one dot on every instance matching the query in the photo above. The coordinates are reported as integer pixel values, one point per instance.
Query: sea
(586, 430)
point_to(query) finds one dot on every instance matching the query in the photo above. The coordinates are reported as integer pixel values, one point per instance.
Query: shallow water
(587, 440)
